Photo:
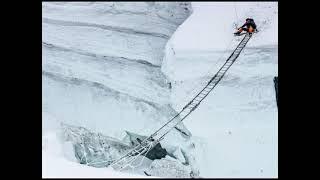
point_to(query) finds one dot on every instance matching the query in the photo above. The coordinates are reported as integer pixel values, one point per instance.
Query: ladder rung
(211, 87)
(212, 84)
(194, 104)
(188, 107)
(196, 101)
(203, 92)
(217, 77)
(206, 91)
(200, 98)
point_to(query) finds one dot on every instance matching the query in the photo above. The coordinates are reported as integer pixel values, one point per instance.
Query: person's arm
(256, 28)
(244, 25)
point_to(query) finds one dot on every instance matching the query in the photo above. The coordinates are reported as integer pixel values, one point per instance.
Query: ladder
(148, 143)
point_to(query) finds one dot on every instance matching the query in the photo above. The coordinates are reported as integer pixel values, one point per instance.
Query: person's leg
(250, 29)
(245, 29)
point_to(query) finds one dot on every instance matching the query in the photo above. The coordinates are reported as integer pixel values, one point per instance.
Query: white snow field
(238, 121)
(113, 67)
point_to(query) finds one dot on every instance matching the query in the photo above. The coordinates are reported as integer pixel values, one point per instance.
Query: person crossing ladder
(249, 26)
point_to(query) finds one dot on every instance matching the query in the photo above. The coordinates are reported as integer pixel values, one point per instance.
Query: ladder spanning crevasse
(147, 144)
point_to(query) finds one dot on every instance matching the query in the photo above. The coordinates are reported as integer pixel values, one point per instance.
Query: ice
(113, 67)
(101, 67)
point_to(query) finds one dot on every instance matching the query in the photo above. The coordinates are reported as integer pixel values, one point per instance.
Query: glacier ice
(108, 67)
(101, 70)
(101, 63)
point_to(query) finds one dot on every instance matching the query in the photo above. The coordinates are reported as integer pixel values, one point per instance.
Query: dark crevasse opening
(275, 80)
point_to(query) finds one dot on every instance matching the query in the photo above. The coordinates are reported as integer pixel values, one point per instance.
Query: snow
(170, 166)
(101, 67)
(57, 167)
(136, 31)
(106, 67)
(236, 125)
(212, 23)
(101, 64)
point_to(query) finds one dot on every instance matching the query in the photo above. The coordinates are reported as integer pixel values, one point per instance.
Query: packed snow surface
(116, 66)
(238, 121)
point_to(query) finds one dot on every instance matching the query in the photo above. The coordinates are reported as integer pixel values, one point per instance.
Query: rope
(235, 8)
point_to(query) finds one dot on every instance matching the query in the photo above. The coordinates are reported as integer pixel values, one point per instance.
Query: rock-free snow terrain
(238, 122)
(110, 68)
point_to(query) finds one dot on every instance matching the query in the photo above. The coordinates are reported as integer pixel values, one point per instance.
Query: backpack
(251, 21)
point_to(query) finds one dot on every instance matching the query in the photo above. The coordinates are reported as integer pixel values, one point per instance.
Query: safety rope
(235, 8)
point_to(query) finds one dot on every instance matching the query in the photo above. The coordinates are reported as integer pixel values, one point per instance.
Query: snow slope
(236, 125)
(101, 66)
(211, 23)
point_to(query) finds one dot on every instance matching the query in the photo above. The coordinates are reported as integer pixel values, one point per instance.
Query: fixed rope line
(235, 9)
(150, 142)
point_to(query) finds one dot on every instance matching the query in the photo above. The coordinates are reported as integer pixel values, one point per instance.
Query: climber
(250, 27)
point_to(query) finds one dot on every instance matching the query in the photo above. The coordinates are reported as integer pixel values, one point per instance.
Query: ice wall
(101, 63)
